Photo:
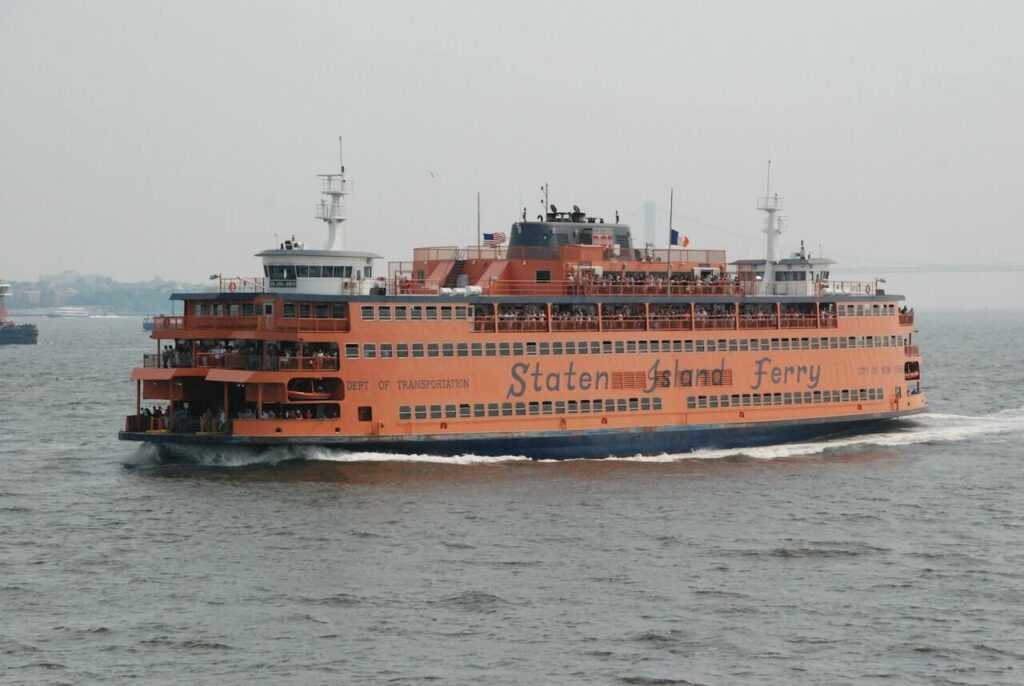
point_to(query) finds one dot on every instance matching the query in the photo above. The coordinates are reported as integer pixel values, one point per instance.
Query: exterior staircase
(452, 280)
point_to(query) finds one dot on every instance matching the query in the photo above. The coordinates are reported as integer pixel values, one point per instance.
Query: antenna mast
(770, 204)
(332, 212)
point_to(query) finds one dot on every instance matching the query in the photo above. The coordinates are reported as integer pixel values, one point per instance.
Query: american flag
(493, 240)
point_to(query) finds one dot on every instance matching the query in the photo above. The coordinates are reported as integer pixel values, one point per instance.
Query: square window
(365, 413)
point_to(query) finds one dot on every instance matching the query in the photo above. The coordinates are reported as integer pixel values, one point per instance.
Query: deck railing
(906, 318)
(522, 325)
(242, 361)
(405, 285)
(715, 322)
(797, 321)
(759, 321)
(671, 323)
(623, 323)
(574, 325)
(163, 324)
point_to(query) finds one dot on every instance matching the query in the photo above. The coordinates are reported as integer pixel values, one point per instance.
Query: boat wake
(327, 455)
(921, 430)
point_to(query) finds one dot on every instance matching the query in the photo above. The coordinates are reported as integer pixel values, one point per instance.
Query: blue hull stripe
(555, 444)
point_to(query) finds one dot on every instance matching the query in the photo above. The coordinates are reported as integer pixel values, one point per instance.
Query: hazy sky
(176, 138)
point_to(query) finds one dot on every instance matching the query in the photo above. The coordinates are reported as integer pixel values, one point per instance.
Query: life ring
(232, 286)
(867, 289)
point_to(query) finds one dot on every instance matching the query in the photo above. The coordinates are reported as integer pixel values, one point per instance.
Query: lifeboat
(307, 389)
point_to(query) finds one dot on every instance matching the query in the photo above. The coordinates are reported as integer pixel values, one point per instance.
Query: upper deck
(566, 271)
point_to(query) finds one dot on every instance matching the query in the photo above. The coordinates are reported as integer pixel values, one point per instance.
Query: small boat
(147, 324)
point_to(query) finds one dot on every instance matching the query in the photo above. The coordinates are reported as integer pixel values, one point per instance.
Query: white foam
(328, 455)
(927, 428)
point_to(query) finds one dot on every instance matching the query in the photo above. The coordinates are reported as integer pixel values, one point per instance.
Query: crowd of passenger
(181, 420)
(184, 418)
(650, 283)
(249, 356)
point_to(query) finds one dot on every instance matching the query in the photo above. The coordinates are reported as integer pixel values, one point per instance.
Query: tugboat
(571, 341)
(11, 333)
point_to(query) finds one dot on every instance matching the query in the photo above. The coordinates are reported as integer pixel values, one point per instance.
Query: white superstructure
(331, 270)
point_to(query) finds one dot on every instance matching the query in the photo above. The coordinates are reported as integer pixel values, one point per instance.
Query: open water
(894, 558)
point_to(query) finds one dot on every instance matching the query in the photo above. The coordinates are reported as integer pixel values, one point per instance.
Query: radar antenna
(330, 209)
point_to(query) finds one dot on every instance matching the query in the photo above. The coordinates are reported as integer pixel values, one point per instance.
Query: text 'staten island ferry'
(571, 341)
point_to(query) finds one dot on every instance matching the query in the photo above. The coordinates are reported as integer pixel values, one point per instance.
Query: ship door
(268, 315)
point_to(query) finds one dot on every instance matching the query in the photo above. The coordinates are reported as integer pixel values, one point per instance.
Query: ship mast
(770, 204)
(331, 209)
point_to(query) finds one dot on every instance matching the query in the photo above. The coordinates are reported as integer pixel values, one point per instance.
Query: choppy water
(891, 558)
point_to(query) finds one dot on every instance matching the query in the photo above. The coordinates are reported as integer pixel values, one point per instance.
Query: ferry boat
(11, 333)
(69, 311)
(568, 340)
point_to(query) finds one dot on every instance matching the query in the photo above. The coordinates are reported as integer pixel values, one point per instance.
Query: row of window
(528, 409)
(427, 312)
(521, 348)
(289, 310)
(447, 312)
(877, 310)
(291, 272)
(700, 402)
(414, 313)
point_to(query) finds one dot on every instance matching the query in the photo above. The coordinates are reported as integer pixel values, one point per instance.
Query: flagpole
(478, 225)
(671, 199)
